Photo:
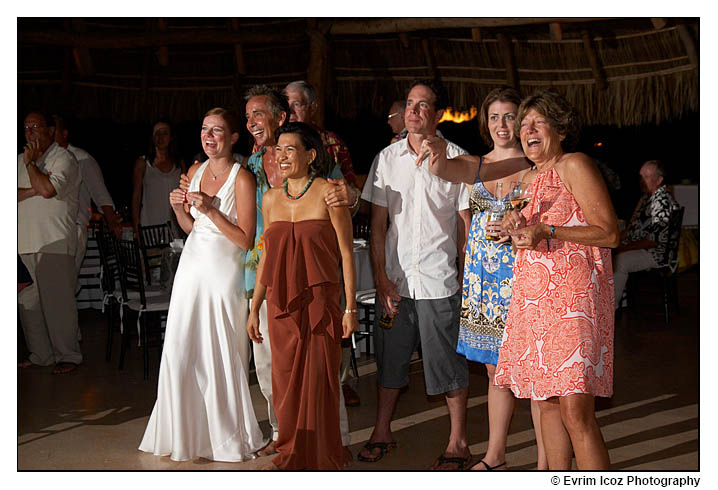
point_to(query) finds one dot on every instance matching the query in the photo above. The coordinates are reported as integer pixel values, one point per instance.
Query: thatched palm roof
(616, 71)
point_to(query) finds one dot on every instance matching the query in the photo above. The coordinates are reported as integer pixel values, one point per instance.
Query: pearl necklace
(304, 191)
(214, 176)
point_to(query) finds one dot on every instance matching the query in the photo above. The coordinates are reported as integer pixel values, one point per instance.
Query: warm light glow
(598, 144)
(459, 117)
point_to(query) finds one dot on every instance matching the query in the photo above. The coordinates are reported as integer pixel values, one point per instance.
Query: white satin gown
(203, 407)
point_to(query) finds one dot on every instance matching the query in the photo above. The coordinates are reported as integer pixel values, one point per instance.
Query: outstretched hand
(432, 146)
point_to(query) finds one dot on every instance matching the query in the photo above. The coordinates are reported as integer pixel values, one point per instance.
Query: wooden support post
(429, 55)
(240, 69)
(556, 31)
(67, 72)
(163, 52)
(689, 43)
(404, 39)
(596, 67)
(318, 66)
(476, 34)
(507, 52)
(83, 60)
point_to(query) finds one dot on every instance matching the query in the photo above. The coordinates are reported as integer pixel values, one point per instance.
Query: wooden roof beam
(659, 23)
(389, 26)
(93, 40)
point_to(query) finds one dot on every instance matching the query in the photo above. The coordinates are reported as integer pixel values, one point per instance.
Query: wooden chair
(88, 279)
(155, 305)
(109, 277)
(153, 238)
(665, 275)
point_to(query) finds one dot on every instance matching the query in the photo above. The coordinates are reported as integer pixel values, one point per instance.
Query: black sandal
(489, 468)
(383, 447)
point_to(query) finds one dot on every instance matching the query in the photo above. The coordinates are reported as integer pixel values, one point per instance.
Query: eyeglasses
(32, 127)
(393, 115)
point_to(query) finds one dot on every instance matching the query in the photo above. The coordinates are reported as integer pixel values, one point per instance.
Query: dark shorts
(436, 323)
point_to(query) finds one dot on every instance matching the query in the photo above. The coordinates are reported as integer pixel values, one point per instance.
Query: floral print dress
(486, 291)
(559, 333)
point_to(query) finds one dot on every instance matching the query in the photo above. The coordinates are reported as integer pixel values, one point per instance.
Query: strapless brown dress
(301, 273)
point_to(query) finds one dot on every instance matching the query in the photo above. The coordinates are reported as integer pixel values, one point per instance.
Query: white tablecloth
(362, 264)
(687, 196)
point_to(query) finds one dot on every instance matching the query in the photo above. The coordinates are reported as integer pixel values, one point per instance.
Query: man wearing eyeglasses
(48, 183)
(395, 120)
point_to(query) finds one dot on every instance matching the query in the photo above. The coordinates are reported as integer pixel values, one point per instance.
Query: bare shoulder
(245, 177)
(578, 170)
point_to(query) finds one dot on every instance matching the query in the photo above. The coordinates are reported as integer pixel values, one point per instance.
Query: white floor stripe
(414, 419)
(632, 451)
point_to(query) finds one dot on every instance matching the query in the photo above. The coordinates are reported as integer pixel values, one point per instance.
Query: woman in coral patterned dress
(558, 341)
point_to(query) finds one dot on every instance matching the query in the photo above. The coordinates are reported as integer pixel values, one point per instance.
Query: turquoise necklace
(304, 191)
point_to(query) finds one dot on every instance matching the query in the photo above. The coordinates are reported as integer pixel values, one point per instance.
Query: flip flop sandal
(489, 468)
(460, 462)
(384, 447)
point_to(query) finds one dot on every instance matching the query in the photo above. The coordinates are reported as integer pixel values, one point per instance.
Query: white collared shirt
(92, 187)
(421, 240)
(48, 225)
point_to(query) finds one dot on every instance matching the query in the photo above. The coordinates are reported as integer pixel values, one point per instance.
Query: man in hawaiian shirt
(643, 243)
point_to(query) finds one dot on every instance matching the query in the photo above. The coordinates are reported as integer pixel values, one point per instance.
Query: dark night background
(676, 143)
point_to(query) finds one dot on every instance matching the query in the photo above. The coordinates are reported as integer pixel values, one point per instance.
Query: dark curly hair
(561, 115)
(503, 94)
(312, 141)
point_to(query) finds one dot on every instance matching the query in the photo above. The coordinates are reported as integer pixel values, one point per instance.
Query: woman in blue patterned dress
(488, 269)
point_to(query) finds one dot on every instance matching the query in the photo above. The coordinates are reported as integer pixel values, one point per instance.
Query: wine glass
(520, 194)
(496, 212)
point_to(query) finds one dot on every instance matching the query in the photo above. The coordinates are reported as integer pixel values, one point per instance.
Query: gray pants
(626, 262)
(48, 311)
(263, 366)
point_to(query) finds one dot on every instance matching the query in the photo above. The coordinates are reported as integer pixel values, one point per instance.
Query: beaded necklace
(304, 191)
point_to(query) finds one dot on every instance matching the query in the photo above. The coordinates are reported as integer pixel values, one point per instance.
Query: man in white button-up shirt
(417, 264)
(47, 186)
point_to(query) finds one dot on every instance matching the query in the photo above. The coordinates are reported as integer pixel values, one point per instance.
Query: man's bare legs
(456, 402)
(386, 403)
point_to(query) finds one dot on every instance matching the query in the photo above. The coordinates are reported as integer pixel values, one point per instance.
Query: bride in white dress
(203, 407)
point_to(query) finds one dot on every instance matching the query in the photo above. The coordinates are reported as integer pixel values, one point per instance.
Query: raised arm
(460, 169)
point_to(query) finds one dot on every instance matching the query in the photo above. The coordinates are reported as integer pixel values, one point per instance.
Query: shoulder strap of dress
(477, 179)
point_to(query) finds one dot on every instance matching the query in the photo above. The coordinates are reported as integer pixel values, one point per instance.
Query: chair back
(674, 239)
(131, 278)
(361, 226)
(107, 247)
(153, 237)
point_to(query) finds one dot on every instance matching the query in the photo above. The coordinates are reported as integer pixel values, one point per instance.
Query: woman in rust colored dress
(305, 243)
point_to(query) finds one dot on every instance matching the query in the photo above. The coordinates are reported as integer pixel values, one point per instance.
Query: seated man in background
(644, 241)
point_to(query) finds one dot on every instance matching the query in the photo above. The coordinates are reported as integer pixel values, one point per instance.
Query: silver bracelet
(350, 311)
